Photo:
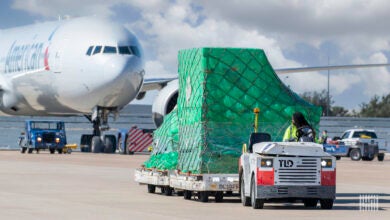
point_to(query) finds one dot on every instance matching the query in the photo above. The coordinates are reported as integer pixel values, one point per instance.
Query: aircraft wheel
(109, 143)
(97, 144)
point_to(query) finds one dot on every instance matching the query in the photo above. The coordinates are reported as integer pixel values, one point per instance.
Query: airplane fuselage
(68, 67)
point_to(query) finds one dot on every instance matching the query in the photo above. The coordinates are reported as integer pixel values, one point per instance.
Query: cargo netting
(165, 144)
(218, 90)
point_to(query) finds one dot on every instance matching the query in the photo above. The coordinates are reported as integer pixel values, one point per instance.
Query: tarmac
(102, 186)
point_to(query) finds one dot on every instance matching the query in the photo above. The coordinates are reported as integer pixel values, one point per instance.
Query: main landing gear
(96, 142)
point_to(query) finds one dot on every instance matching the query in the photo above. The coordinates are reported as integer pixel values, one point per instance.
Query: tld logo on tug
(286, 163)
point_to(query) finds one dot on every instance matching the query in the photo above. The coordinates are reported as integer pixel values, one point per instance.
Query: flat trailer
(204, 185)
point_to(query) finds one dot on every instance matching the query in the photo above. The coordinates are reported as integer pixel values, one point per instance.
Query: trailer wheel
(381, 157)
(187, 194)
(203, 196)
(310, 203)
(179, 193)
(256, 203)
(246, 201)
(355, 154)
(219, 196)
(151, 188)
(167, 190)
(326, 203)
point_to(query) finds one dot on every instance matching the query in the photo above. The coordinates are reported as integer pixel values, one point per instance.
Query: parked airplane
(83, 66)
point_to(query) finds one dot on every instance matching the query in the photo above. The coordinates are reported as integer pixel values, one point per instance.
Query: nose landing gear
(98, 143)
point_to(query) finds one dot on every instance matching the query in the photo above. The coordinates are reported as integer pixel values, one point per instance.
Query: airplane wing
(159, 83)
(320, 68)
(156, 83)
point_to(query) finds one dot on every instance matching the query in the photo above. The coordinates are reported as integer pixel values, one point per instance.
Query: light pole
(328, 97)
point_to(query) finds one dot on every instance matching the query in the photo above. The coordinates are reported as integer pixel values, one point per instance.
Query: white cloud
(358, 28)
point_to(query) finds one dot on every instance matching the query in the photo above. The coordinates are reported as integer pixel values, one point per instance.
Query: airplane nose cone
(123, 75)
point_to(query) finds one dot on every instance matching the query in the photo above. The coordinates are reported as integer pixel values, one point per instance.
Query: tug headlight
(57, 140)
(39, 139)
(267, 162)
(326, 163)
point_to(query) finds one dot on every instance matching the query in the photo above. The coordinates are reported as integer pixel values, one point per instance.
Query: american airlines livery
(83, 66)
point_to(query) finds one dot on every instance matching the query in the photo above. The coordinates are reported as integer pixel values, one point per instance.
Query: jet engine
(165, 102)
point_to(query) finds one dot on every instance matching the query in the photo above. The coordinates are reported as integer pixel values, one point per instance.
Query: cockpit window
(124, 50)
(98, 49)
(135, 51)
(89, 51)
(108, 49)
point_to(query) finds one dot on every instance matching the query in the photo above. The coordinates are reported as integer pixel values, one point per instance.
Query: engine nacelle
(165, 102)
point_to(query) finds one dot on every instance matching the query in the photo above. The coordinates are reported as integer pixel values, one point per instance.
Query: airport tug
(285, 172)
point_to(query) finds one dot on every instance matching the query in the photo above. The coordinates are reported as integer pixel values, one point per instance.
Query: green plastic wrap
(165, 144)
(218, 90)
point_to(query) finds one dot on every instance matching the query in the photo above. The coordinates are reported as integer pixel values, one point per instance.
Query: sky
(295, 33)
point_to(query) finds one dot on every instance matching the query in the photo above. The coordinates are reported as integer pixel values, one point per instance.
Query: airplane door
(57, 62)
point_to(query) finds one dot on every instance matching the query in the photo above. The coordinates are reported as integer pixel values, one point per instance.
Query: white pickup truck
(286, 171)
(355, 137)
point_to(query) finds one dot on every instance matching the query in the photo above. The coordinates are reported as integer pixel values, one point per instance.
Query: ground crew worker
(299, 130)
(324, 137)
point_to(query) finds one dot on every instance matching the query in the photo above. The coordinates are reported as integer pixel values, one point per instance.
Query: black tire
(381, 157)
(85, 142)
(168, 191)
(179, 193)
(59, 151)
(203, 196)
(338, 158)
(97, 145)
(52, 150)
(151, 188)
(245, 200)
(256, 203)
(326, 203)
(109, 143)
(23, 150)
(187, 194)
(219, 196)
(310, 203)
(30, 150)
(355, 154)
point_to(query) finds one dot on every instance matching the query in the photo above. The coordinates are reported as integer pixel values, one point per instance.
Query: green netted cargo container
(165, 144)
(218, 89)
